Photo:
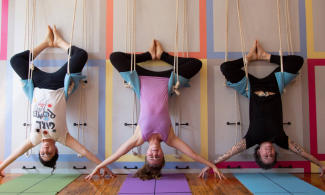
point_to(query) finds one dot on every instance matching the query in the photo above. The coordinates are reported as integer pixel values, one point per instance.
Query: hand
(107, 171)
(205, 169)
(322, 171)
(220, 174)
(95, 172)
(1, 175)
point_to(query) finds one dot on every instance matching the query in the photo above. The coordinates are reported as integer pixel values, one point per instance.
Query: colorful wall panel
(207, 106)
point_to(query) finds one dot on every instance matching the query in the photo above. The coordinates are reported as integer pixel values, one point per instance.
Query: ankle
(266, 56)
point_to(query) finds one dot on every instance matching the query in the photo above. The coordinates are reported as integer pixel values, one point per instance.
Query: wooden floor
(198, 186)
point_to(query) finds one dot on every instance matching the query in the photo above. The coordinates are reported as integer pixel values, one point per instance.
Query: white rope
(71, 36)
(83, 85)
(175, 87)
(31, 62)
(280, 39)
(185, 40)
(242, 40)
(226, 38)
(130, 29)
(237, 102)
(177, 110)
(289, 35)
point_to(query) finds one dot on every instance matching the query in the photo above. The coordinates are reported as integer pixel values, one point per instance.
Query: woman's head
(48, 154)
(154, 154)
(265, 155)
(150, 171)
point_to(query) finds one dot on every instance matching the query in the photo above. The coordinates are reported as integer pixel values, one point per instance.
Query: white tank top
(48, 116)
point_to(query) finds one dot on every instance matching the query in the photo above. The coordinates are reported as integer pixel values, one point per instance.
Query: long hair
(259, 161)
(149, 171)
(51, 163)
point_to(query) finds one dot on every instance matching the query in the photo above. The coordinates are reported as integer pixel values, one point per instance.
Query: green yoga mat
(37, 184)
(22, 183)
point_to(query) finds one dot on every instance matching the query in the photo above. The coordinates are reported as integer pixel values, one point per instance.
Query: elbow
(115, 56)
(84, 152)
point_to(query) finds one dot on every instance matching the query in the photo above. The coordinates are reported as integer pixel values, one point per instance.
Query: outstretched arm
(183, 147)
(299, 150)
(24, 147)
(72, 143)
(236, 149)
(134, 141)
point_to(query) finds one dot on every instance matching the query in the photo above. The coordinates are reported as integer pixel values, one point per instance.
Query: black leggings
(233, 72)
(187, 67)
(54, 81)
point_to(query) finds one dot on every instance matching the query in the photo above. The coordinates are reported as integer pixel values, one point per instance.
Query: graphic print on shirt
(43, 113)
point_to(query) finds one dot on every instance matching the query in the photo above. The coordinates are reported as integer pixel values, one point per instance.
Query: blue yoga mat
(277, 183)
(292, 183)
(258, 183)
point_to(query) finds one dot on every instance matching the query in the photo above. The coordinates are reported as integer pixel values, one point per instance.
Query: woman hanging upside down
(154, 125)
(265, 108)
(48, 111)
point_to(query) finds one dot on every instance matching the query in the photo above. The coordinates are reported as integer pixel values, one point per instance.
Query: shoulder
(35, 138)
(171, 136)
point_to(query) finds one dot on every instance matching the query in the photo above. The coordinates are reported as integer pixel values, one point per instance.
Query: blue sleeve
(75, 77)
(132, 78)
(286, 78)
(28, 88)
(184, 82)
(240, 87)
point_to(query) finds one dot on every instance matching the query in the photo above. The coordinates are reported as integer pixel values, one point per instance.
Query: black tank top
(265, 114)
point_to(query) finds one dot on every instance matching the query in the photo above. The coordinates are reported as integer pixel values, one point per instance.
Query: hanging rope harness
(83, 84)
(242, 41)
(289, 35)
(237, 102)
(30, 45)
(280, 39)
(130, 30)
(177, 113)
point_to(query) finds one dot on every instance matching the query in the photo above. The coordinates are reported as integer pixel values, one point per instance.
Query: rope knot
(175, 88)
(245, 61)
(31, 66)
(127, 85)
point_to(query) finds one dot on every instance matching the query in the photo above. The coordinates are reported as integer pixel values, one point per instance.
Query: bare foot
(252, 55)
(159, 49)
(57, 37)
(261, 54)
(49, 37)
(152, 50)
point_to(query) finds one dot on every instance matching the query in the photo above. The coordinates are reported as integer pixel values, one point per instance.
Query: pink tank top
(154, 115)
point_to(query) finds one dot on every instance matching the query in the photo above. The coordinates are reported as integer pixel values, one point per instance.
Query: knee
(114, 56)
(300, 61)
(197, 65)
(83, 55)
(224, 68)
(14, 60)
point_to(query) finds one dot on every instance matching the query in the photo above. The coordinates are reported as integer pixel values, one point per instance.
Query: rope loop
(31, 66)
(128, 85)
